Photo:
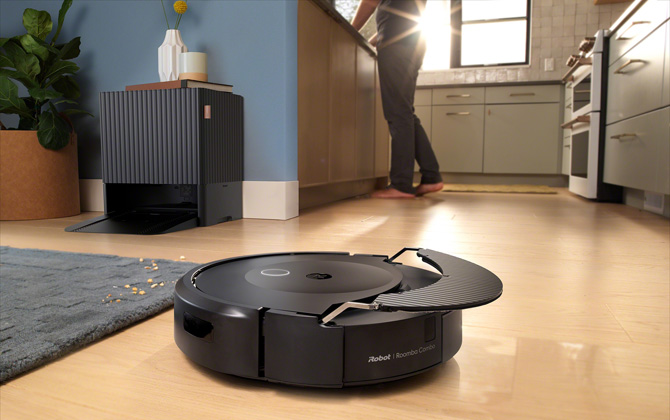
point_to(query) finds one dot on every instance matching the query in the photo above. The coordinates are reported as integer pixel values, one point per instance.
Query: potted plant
(38, 160)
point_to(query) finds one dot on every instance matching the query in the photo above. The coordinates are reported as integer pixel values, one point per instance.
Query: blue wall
(251, 44)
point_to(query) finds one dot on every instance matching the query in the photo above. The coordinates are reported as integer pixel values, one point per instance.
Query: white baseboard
(276, 200)
(91, 195)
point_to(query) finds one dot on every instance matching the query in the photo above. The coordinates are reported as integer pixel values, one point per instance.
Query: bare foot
(390, 193)
(429, 188)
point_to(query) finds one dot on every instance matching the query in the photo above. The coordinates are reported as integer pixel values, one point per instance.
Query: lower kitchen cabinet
(522, 139)
(497, 129)
(458, 137)
(637, 150)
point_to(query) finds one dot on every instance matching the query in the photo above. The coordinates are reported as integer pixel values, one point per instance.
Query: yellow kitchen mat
(482, 188)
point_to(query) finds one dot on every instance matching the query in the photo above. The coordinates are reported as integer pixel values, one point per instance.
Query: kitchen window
(468, 33)
(489, 33)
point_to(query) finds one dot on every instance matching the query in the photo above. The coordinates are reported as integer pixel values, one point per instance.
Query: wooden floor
(580, 332)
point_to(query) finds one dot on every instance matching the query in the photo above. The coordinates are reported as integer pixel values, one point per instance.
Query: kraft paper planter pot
(36, 183)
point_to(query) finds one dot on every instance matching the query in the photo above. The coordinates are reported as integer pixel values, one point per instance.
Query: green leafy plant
(45, 69)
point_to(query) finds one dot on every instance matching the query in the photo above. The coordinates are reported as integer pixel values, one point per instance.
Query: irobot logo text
(399, 355)
(380, 358)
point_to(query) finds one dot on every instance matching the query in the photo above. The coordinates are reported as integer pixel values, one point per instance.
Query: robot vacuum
(327, 319)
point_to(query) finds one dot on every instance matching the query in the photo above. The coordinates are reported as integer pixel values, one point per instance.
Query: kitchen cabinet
(632, 29)
(342, 144)
(637, 152)
(365, 114)
(521, 138)
(342, 135)
(382, 137)
(459, 137)
(313, 91)
(637, 135)
(497, 129)
(636, 77)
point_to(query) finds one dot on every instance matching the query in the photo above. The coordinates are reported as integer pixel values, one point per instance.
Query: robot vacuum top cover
(327, 319)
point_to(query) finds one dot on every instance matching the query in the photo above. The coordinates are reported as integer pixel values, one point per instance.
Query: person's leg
(397, 83)
(425, 156)
(431, 180)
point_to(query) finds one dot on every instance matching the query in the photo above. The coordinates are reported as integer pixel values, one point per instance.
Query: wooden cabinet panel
(458, 137)
(636, 152)
(666, 70)
(636, 79)
(522, 138)
(382, 137)
(342, 104)
(313, 94)
(365, 114)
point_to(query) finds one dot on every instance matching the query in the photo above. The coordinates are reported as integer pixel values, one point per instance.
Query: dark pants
(399, 65)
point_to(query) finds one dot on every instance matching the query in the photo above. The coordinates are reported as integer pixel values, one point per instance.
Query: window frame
(456, 42)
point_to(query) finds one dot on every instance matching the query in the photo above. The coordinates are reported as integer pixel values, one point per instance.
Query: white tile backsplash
(558, 26)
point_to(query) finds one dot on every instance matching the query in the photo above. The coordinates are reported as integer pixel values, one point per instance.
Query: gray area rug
(52, 303)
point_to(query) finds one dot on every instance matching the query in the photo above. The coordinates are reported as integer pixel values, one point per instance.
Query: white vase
(168, 55)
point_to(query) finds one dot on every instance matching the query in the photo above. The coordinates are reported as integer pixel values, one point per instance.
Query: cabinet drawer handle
(458, 113)
(522, 94)
(465, 95)
(568, 106)
(626, 64)
(624, 136)
(567, 146)
(633, 24)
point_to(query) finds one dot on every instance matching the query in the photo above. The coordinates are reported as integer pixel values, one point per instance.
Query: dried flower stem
(165, 14)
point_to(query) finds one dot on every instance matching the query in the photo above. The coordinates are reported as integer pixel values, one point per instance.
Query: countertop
(333, 13)
(490, 84)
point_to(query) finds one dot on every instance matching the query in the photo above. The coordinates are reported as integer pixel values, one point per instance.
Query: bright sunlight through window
(490, 32)
(436, 28)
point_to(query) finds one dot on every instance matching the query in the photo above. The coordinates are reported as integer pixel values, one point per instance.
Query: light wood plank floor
(581, 331)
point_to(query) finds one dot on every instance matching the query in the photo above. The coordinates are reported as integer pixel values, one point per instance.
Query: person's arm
(373, 40)
(365, 9)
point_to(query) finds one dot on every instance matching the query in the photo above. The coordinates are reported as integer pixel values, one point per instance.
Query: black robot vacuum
(327, 319)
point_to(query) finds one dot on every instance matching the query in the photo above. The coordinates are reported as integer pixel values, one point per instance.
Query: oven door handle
(580, 119)
(586, 61)
(628, 63)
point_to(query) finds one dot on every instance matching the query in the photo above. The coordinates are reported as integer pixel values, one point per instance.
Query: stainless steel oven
(586, 80)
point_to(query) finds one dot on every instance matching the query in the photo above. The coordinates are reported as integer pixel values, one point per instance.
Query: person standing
(400, 51)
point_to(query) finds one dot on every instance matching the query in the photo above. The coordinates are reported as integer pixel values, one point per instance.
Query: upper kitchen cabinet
(342, 135)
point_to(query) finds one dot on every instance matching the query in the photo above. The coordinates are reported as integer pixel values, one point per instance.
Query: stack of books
(177, 84)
